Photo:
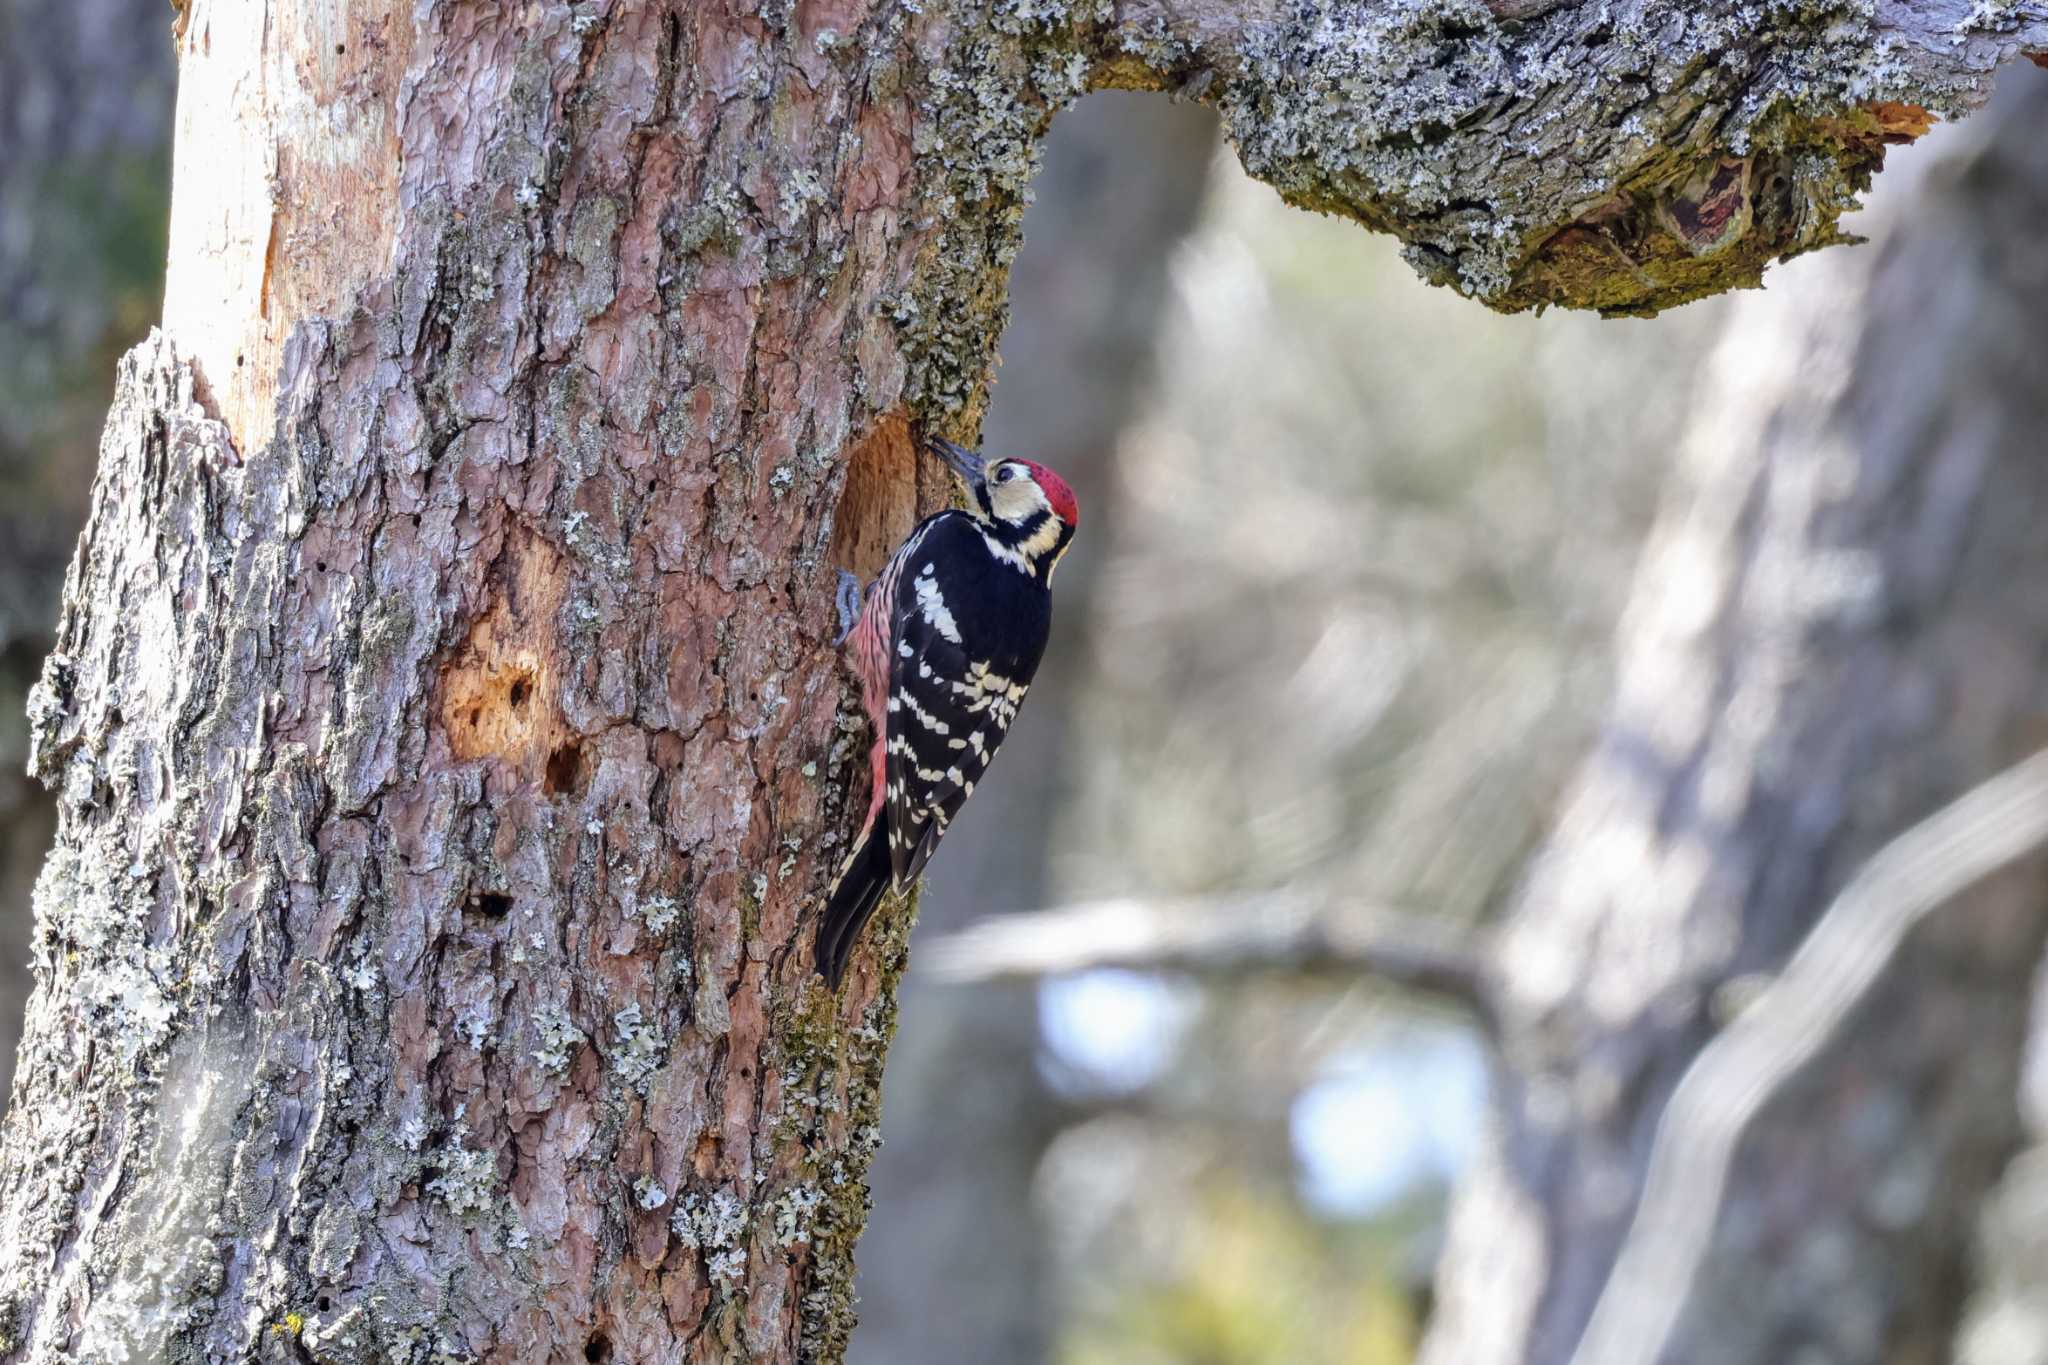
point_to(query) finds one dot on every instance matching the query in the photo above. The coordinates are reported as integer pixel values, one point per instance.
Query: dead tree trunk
(1839, 628)
(445, 728)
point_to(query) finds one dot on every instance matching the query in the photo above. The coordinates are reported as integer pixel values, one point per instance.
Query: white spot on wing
(932, 603)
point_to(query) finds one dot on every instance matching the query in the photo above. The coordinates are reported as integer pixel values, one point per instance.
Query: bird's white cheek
(1017, 500)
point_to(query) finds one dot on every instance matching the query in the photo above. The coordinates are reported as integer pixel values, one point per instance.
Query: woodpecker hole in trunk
(879, 504)
(500, 688)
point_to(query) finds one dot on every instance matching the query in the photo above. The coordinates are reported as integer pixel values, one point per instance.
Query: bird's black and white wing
(950, 707)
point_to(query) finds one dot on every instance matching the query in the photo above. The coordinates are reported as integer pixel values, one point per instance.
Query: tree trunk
(446, 728)
(1839, 628)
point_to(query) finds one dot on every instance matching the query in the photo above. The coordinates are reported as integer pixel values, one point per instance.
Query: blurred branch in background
(85, 127)
(1227, 936)
(1838, 628)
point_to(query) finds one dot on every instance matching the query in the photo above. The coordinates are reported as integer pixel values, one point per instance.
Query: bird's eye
(1005, 474)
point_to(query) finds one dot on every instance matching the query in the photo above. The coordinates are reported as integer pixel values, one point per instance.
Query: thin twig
(1737, 1074)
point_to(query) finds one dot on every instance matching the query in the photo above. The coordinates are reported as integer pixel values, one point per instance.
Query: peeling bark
(1839, 629)
(448, 741)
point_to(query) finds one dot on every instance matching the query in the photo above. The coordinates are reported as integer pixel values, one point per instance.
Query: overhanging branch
(1621, 156)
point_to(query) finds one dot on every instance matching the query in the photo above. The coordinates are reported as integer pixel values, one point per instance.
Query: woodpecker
(945, 644)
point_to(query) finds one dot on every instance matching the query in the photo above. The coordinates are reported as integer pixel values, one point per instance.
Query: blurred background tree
(1841, 626)
(1339, 626)
(1350, 638)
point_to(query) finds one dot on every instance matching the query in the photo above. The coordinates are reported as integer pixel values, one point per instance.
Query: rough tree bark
(1840, 628)
(447, 736)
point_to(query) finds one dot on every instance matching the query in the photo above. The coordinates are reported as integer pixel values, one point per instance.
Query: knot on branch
(1718, 222)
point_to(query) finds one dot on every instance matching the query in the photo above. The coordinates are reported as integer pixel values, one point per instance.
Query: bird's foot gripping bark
(849, 605)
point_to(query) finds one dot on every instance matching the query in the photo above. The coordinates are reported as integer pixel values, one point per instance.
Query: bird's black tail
(868, 874)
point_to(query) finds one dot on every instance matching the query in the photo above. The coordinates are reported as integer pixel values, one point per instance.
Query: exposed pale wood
(285, 183)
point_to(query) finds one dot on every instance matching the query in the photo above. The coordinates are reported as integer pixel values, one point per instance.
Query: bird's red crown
(1056, 492)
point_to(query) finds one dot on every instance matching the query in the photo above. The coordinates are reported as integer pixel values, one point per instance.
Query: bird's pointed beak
(962, 461)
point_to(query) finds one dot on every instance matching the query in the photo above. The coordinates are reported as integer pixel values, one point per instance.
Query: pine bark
(1838, 629)
(448, 742)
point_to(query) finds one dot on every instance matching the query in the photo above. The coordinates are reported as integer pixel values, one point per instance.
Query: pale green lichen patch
(465, 1179)
(794, 1209)
(98, 912)
(659, 913)
(556, 1039)
(637, 1047)
(715, 1224)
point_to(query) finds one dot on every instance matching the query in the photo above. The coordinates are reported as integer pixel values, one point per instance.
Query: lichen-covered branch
(1623, 156)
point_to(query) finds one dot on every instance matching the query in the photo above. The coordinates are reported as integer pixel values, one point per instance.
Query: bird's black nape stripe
(1015, 533)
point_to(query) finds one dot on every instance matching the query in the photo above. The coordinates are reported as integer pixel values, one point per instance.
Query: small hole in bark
(340, 48)
(238, 362)
(490, 904)
(564, 768)
(599, 1348)
(321, 565)
(324, 1303)
(520, 688)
